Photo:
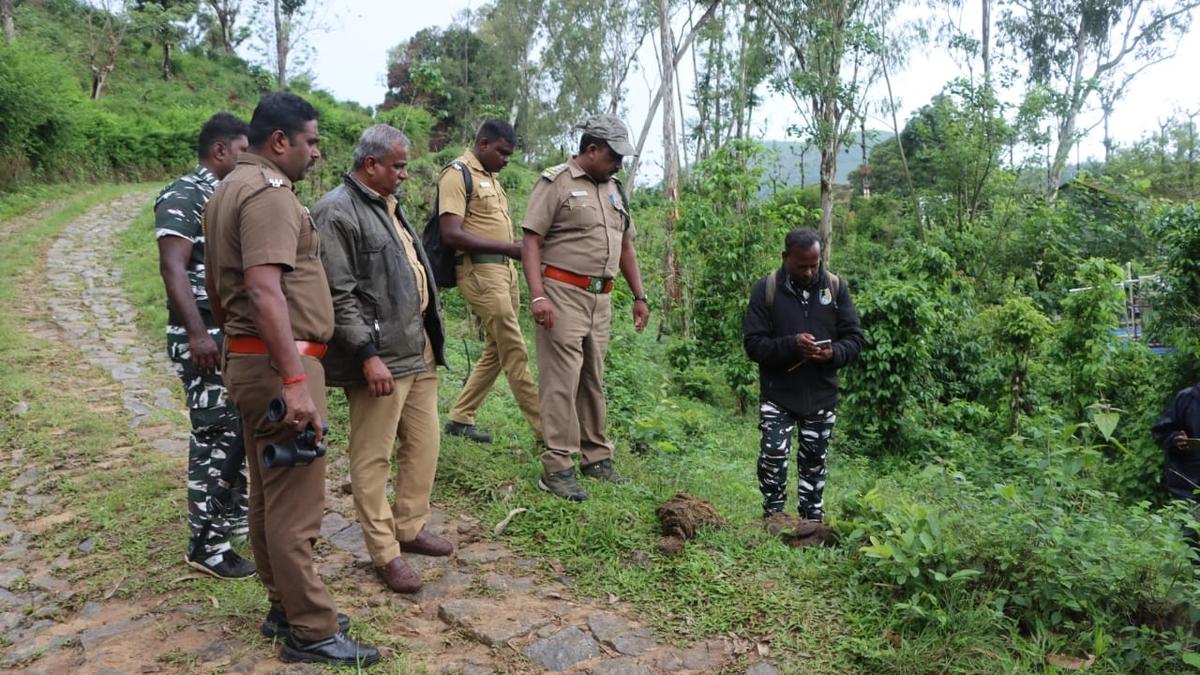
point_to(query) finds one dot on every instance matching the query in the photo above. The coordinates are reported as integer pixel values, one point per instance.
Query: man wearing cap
(477, 225)
(578, 234)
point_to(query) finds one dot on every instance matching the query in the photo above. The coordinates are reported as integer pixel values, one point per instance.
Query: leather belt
(590, 284)
(251, 344)
(482, 258)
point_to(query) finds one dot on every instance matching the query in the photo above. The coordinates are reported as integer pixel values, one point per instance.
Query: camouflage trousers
(777, 426)
(215, 429)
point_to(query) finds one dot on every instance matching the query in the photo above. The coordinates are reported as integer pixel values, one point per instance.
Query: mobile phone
(822, 343)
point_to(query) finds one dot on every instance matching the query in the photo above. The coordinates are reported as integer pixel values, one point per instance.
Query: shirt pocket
(308, 243)
(579, 213)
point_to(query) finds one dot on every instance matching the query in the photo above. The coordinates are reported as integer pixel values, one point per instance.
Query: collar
(473, 162)
(201, 172)
(264, 164)
(389, 202)
(577, 172)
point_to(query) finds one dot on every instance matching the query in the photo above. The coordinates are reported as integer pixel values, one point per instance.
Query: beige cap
(612, 130)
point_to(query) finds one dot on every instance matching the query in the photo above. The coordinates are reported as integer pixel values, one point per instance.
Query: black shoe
(601, 470)
(468, 431)
(337, 650)
(563, 484)
(276, 624)
(231, 566)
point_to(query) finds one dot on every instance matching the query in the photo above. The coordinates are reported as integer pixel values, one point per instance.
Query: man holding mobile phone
(1176, 433)
(800, 328)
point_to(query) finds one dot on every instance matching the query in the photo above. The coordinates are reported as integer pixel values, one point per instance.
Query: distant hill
(787, 162)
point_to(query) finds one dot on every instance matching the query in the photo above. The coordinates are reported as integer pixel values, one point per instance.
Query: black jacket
(769, 335)
(1181, 468)
(376, 306)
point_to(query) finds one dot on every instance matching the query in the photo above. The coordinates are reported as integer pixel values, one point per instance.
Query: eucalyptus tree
(828, 53)
(1072, 48)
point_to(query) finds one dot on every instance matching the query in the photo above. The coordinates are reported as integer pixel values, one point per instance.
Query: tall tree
(164, 22)
(226, 13)
(680, 51)
(108, 23)
(670, 153)
(284, 29)
(1073, 46)
(827, 64)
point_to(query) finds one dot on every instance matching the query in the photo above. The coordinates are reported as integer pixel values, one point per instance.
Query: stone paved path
(481, 610)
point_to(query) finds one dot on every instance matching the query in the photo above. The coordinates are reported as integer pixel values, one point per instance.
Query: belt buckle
(595, 284)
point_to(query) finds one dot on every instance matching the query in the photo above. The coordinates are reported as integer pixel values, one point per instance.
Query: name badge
(485, 183)
(579, 193)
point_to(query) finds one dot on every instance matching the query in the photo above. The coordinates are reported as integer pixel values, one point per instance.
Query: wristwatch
(643, 298)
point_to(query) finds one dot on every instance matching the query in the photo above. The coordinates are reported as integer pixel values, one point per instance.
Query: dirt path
(482, 610)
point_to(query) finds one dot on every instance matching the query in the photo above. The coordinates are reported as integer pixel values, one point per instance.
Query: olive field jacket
(376, 302)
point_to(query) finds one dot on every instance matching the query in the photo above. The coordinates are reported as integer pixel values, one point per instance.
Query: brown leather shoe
(399, 576)
(427, 543)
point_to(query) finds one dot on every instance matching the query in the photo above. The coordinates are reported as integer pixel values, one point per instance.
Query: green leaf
(1192, 659)
(1106, 422)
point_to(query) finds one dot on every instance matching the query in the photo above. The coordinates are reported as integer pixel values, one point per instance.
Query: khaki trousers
(286, 503)
(492, 291)
(571, 376)
(410, 415)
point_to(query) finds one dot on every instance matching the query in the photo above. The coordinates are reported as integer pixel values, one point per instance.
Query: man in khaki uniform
(387, 343)
(268, 291)
(578, 234)
(481, 231)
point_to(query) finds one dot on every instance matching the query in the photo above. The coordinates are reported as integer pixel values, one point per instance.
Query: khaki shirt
(487, 215)
(581, 221)
(254, 218)
(410, 252)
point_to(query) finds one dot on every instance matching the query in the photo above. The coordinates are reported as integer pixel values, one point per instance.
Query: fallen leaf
(763, 650)
(612, 599)
(215, 604)
(1070, 662)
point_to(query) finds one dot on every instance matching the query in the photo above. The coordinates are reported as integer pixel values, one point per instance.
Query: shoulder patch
(552, 172)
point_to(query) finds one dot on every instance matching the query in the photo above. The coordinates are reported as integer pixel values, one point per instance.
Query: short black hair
(279, 111)
(496, 130)
(801, 237)
(220, 128)
(588, 139)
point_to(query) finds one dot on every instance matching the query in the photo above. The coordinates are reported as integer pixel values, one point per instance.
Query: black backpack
(441, 256)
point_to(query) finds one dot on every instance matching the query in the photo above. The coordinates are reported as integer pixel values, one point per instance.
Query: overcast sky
(350, 60)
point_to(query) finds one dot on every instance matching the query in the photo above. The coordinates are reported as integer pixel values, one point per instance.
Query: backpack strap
(468, 184)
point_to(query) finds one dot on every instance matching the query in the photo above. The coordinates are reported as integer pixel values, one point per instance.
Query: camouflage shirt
(179, 212)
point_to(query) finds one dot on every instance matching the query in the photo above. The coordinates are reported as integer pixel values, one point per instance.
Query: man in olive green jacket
(386, 346)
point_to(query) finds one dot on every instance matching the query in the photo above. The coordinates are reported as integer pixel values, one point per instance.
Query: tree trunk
(167, 70)
(865, 169)
(670, 157)
(1066, 124)
(828, 172)
(281, 45)
(986, 41)
(99, 75)
(6, 18)
(658, 96)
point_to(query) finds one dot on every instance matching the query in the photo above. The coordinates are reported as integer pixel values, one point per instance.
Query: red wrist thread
(295, 380)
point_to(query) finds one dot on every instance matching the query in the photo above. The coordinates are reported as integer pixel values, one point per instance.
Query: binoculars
(299, 451)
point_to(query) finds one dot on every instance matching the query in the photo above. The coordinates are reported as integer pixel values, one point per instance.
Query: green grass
(23, 199)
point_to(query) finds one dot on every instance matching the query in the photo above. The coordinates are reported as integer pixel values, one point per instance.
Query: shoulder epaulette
(552, 172)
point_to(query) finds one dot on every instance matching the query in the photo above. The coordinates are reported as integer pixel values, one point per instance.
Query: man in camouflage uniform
(800, 328)
(194, 346)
